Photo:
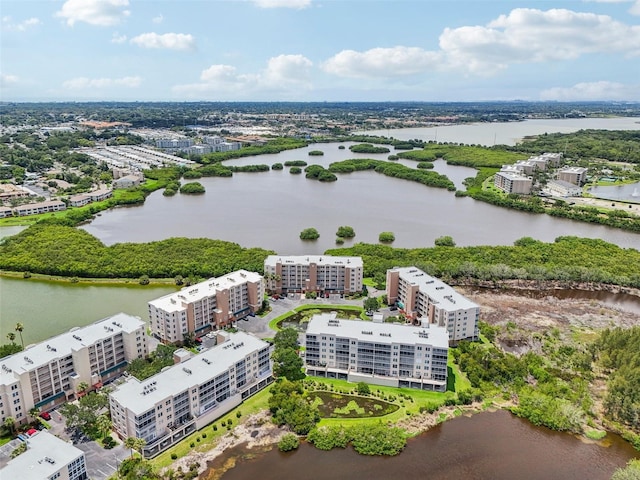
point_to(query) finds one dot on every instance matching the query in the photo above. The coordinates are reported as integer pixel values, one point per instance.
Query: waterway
(626, 193)
(509, 133)
(50, 308)
(486, 446)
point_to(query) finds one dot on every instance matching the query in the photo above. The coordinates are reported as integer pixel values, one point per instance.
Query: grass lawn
(369, 282)
(254, 404)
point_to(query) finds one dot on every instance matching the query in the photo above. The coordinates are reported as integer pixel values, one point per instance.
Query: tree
(34, 412)
(445, 241)
(288, 364)
(288, 442)
(132, 444)
(11, 337)
(345, 231)
(10, 424)
(83, 387)
(286, 338)
(309, 234)
(386, 237)
(19, 328)
(103, 424)
(370, 304)
(363, 388)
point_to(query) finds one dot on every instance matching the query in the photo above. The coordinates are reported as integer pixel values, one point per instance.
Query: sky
(319, 50)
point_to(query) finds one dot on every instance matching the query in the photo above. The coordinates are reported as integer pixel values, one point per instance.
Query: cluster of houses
(517, 178)
(203, 386)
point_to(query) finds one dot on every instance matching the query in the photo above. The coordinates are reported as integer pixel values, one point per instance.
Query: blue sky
(319, 50)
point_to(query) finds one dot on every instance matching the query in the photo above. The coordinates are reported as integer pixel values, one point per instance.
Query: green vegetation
(630, 472)
(309, 310)
(143, 368)
(340, 405)
(425, 165)
(286, 361)
(567, 260)
(295, 170)
(250, 168)
(428, 178)
(191, 175)
(289, 406)
(277, 166)
(377, 439)
(316, 153)
(371, 304)
(468, 156)
(86, 414)
(9, 348)
(386, 237)
(339, 240)
(318, 172)
(54, 247)
(309, 234)
(445, 241)
(193, 188)
(288, 442)
(345, 231)
(295, 163)
(215, 170)
(368, 148)
(275, 145)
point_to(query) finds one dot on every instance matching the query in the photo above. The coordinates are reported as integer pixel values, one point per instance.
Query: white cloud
(382, 62)
(529, 35)
(8, 80)
(284, 74)
(591, 91)
(102, 13)
(158, 19)
(80, 83)
(117, 38)
(169, 41)
(635, 8)
(297, 4)
(9, 26)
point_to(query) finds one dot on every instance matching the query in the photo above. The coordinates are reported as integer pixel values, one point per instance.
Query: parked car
(45, 415)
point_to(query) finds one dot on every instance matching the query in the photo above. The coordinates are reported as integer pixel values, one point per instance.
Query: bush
(26, 275)
(174, 456)
(309, 234)
(345, 232)
(445, 241)
(295, 163)
(326, 438)
(143, 280)
(363, 388)
(386, 237)
(316, 153)
(192, 444)
(295, 170)
(288, 442)
(339, 241)
(192, 174)
(277, 166)
(193, 188)
(238, 414)
(108, 442)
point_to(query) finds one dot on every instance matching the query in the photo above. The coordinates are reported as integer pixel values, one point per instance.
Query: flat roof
(564, 184)
(573, 170)
(46, 454)
(177, 378)
(62, 345)
(317, 259)
(440, 293)
(512, 176)
(388, 333)
(173, 301)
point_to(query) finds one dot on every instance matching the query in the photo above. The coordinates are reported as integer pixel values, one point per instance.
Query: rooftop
(64, 344)
(140, 396)
(173, 301)
(46, 455)
(317, 259)
(439, 292)
(385, 333)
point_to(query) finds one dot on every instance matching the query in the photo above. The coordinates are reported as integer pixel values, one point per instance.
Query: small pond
(339, 405)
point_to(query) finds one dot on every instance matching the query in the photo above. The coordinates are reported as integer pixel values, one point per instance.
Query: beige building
(40, 207)
(214, 303)
(324, 274)
(420, 296)
(563, 189)
(575, 175)
(165, 408)
(513, 183)
(48, 373)
(46, 458)
(378, 353)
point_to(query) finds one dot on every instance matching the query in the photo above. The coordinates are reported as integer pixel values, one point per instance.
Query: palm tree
(34, 412)
(131, 443)
(19, 328)
(103, 424)
(11, 336)
(10, 424)
(82, 387)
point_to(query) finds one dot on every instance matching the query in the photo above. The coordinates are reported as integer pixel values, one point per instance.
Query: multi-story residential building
(512, 183)
(49, 373)
(421, 296)
(324, 274)
(99, 195)
(191, 394)
(40, 207)
(174, 143)
(563, 189)
(378, 353)
(575, 175)
(214, 303)
(46, 458)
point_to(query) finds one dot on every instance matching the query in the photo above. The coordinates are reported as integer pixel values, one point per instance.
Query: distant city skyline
(320, 50)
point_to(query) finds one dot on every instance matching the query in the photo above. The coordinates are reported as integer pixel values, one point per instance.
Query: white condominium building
(313, 273)
(378, 353)
(214, 303)
(191, 394)
(419, 295)
(46, 458)
(49, 373)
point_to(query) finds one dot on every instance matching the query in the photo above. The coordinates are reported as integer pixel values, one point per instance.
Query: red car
(45, 416)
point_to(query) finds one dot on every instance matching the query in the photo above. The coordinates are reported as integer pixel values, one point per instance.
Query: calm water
(486, 446)
(270, 209)
(508, 133)
(627, 193)
(50, 308)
